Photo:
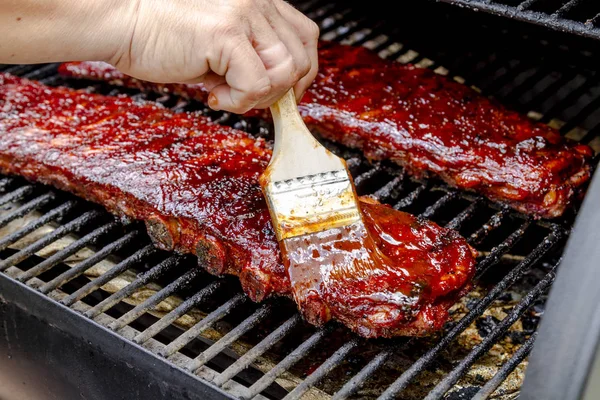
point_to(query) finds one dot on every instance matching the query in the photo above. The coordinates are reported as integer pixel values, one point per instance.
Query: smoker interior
(76, 254)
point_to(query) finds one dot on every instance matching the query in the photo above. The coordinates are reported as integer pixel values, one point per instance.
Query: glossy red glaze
(195, 184)
(426, 123)
(375, 277)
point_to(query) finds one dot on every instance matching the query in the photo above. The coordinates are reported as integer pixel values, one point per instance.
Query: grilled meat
(195, 184)
(426, 123)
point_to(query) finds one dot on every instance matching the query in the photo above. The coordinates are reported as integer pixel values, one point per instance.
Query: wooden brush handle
(296, 151)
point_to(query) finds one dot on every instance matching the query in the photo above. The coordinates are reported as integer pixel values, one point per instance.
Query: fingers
(278, 60)
(289, 65)
(246, 79)
(308, 33)
(278, 51)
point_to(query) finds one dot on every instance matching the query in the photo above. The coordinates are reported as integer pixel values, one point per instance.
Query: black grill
(206, 326)
(581, 17)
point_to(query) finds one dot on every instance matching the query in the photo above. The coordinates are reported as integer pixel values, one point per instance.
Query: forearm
(36, 31)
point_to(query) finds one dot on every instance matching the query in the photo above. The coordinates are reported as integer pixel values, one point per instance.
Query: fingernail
(213, 102)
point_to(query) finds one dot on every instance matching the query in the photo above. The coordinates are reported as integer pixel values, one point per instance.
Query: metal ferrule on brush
(312, 203)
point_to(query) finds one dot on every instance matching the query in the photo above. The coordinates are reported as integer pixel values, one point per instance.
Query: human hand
(247, 53)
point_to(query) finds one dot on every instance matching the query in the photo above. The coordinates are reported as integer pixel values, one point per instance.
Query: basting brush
(308, 188)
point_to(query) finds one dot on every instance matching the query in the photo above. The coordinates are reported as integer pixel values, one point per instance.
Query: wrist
(115, 22)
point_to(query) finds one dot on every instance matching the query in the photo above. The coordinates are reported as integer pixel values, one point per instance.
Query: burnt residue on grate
(108, 270)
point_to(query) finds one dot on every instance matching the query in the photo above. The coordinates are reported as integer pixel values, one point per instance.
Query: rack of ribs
(426, 123)
(195, 184)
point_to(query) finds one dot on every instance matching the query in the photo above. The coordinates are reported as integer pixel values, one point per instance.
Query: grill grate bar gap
(464, 215)
(494, 256)
(332, 362)
(115, 271)
(565, 9)
(435, 207)
(153, 300)
(359, 379)
(569, 99)
(494, 222)
(506, 369)
(411, 197)
(145, 278)
(26, 208)
(498, 331)
(183, 308)
(249, 323)
(72, 226)
(202, 325)
(68, 251)
(88, 263)
(258, 350)
(16, 195)
(50, 216)
(285, 364)
(515, 274)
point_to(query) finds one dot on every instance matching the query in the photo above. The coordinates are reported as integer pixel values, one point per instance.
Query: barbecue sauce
(375, 273)
(195, 184)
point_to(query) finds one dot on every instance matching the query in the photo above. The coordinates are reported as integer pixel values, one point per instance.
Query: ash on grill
(80, 256)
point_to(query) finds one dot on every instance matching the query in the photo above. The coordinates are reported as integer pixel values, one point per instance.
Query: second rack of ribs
(195, 184)
(426, 123)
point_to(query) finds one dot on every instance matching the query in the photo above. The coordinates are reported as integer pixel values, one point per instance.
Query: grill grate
(575, 16)
(83, 258)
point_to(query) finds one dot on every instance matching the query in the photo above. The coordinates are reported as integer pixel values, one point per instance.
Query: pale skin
(248, 53)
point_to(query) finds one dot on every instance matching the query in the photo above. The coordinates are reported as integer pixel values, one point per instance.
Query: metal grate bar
(585, 112)
(88, 263)
(501, 249)
(318, 374)
(359, 379)
(491, 259)
(258, 350)
(4, 182)
(389, 189)
(202, 325)
(68, 251)
(19, 69)
(183, 308)
(516, 92)
(515, 274)
(464, 215)
(512, 71)
(365, 176)
(16, 194)
(591, 134)
(128, 290)
(494, 222)
(41, 71)
(442, 201)
(506, 369)
(285, 364)
(153, 300)
(115, 271)
(50, 216)
(549, 90)
(498, 331)
(593, 21)
(26, 208)
(526, 4)
(61, 231)
(568, 100)
(565, 9)
(411, 197)
(231, 336)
